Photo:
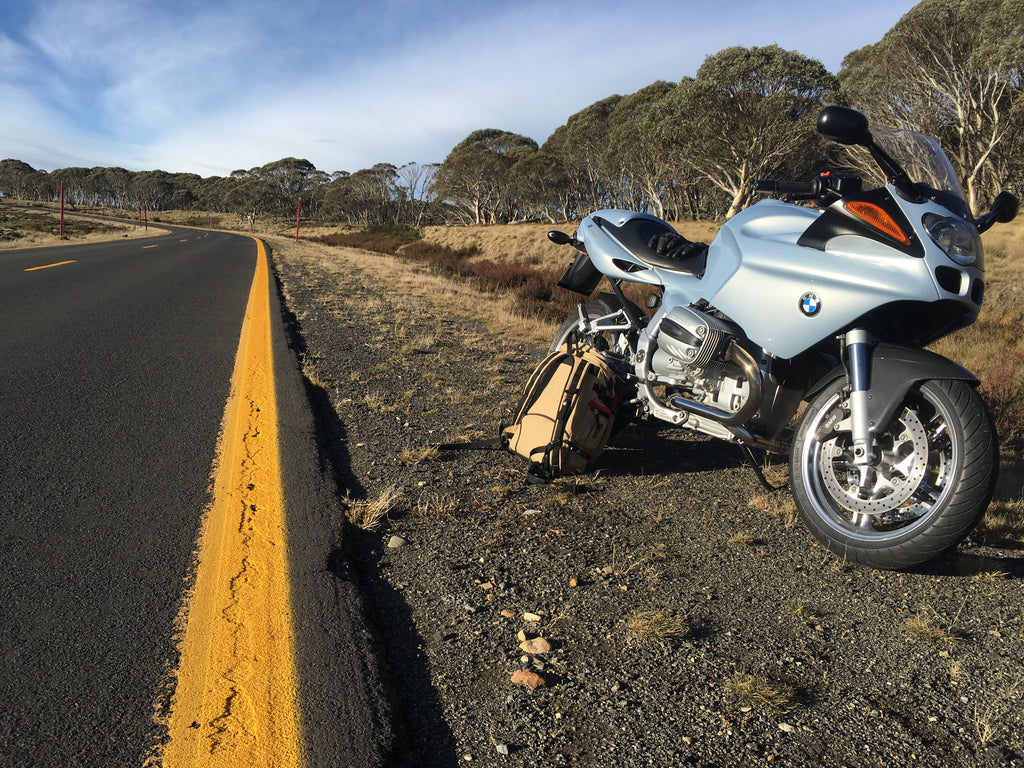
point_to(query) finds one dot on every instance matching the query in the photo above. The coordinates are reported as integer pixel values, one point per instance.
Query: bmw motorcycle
(802, 329)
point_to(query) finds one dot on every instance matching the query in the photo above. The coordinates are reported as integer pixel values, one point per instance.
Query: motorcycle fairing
(836, 221)
(853, 277)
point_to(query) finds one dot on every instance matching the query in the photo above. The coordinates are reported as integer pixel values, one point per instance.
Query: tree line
(687, 149)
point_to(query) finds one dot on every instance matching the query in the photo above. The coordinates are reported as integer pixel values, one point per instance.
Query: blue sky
(210, 86)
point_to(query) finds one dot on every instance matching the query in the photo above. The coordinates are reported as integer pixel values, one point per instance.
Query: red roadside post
(62, 209)
(298, 216)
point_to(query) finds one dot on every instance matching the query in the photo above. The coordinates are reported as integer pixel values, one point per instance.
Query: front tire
(932, 481)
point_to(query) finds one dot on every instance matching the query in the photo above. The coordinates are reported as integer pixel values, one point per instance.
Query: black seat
(636, 235)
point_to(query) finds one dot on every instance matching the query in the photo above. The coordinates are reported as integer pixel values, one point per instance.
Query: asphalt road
(114, 371)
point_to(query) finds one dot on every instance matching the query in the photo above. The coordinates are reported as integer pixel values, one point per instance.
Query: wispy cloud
(222, 84)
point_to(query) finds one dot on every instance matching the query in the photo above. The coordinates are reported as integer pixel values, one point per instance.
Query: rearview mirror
(1005, 207)
(844, 126)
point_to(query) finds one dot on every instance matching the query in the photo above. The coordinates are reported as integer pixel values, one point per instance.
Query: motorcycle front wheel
(932, 479)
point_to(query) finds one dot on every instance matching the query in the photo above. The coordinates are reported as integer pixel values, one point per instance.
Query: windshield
(926, 165)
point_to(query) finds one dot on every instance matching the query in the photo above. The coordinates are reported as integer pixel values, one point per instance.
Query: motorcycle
(801, 329)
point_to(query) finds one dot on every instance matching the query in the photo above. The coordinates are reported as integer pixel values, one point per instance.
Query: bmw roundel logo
(810, 304)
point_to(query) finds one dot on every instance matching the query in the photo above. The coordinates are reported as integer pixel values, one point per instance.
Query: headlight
(958, 239)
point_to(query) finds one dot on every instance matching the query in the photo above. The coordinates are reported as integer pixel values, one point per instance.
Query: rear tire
(569, 332)
(608, 341)
(936, 472)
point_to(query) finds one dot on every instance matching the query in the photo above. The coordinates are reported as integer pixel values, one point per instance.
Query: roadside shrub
(534, 290)
(446, 261)
(1002, 386)
(382, 238)
(495, 277)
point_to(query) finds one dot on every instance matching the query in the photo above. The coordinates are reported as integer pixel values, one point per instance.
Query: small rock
(502, 749)
(531, 617)
(487, 585)
(787, 728)
(529, 679)
(508, 614)
(537, 645)
(572, 582)
(397, 541)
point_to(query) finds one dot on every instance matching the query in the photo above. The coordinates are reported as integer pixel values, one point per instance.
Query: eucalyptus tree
(418, 179)
(21, 181)
(475, 177)
(581, 145)
(951, 69)
(747, 114)
(541, 187)
(641, 167)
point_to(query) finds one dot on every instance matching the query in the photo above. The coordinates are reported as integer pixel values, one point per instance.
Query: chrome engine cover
(686, 341)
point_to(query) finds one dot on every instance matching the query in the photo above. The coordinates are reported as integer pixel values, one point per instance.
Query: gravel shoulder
(772, 650)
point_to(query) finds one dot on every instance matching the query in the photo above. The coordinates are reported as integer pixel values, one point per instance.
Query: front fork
(858, 367)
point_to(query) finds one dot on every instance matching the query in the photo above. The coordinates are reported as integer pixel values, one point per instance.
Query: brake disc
(889, 484)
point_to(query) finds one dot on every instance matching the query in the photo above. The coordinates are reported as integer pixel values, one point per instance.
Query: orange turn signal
(877, 218)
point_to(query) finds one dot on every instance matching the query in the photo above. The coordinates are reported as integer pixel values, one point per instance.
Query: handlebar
(827, 186)
(812, 187)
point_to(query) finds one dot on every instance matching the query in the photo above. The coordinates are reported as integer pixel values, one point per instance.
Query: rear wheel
(616, 343)
(932, 480)
(570, 330)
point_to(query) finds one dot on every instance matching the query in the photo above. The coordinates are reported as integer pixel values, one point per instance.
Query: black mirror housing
(1005, 207)
(844, 126)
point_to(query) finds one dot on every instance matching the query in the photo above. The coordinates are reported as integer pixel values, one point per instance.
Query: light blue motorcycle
(894, 457)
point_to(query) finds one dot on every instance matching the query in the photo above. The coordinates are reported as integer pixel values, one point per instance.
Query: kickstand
(752, 461)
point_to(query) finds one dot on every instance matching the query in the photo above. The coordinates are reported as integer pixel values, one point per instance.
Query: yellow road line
(47, 266)
(235, 701)
(148, 246)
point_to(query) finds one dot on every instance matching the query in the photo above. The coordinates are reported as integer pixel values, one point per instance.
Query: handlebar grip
(812, 187)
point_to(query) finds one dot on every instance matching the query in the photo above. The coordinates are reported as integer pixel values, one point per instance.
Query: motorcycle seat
(635, 236)
(692, 265)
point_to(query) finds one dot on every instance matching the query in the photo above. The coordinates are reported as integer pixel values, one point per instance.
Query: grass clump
(658, 625)
(420, 455)
(382, 238)
(929, 628)
(370, 514)
(755, 692)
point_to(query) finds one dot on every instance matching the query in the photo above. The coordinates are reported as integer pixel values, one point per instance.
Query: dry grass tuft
(928, 626)
(658, 625)
(420, 455)
(756, 692)
(742, 539)
(777, 504)
(436, 505)
(370, 514)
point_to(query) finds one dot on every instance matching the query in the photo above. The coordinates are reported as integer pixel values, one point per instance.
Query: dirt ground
(687, 617)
